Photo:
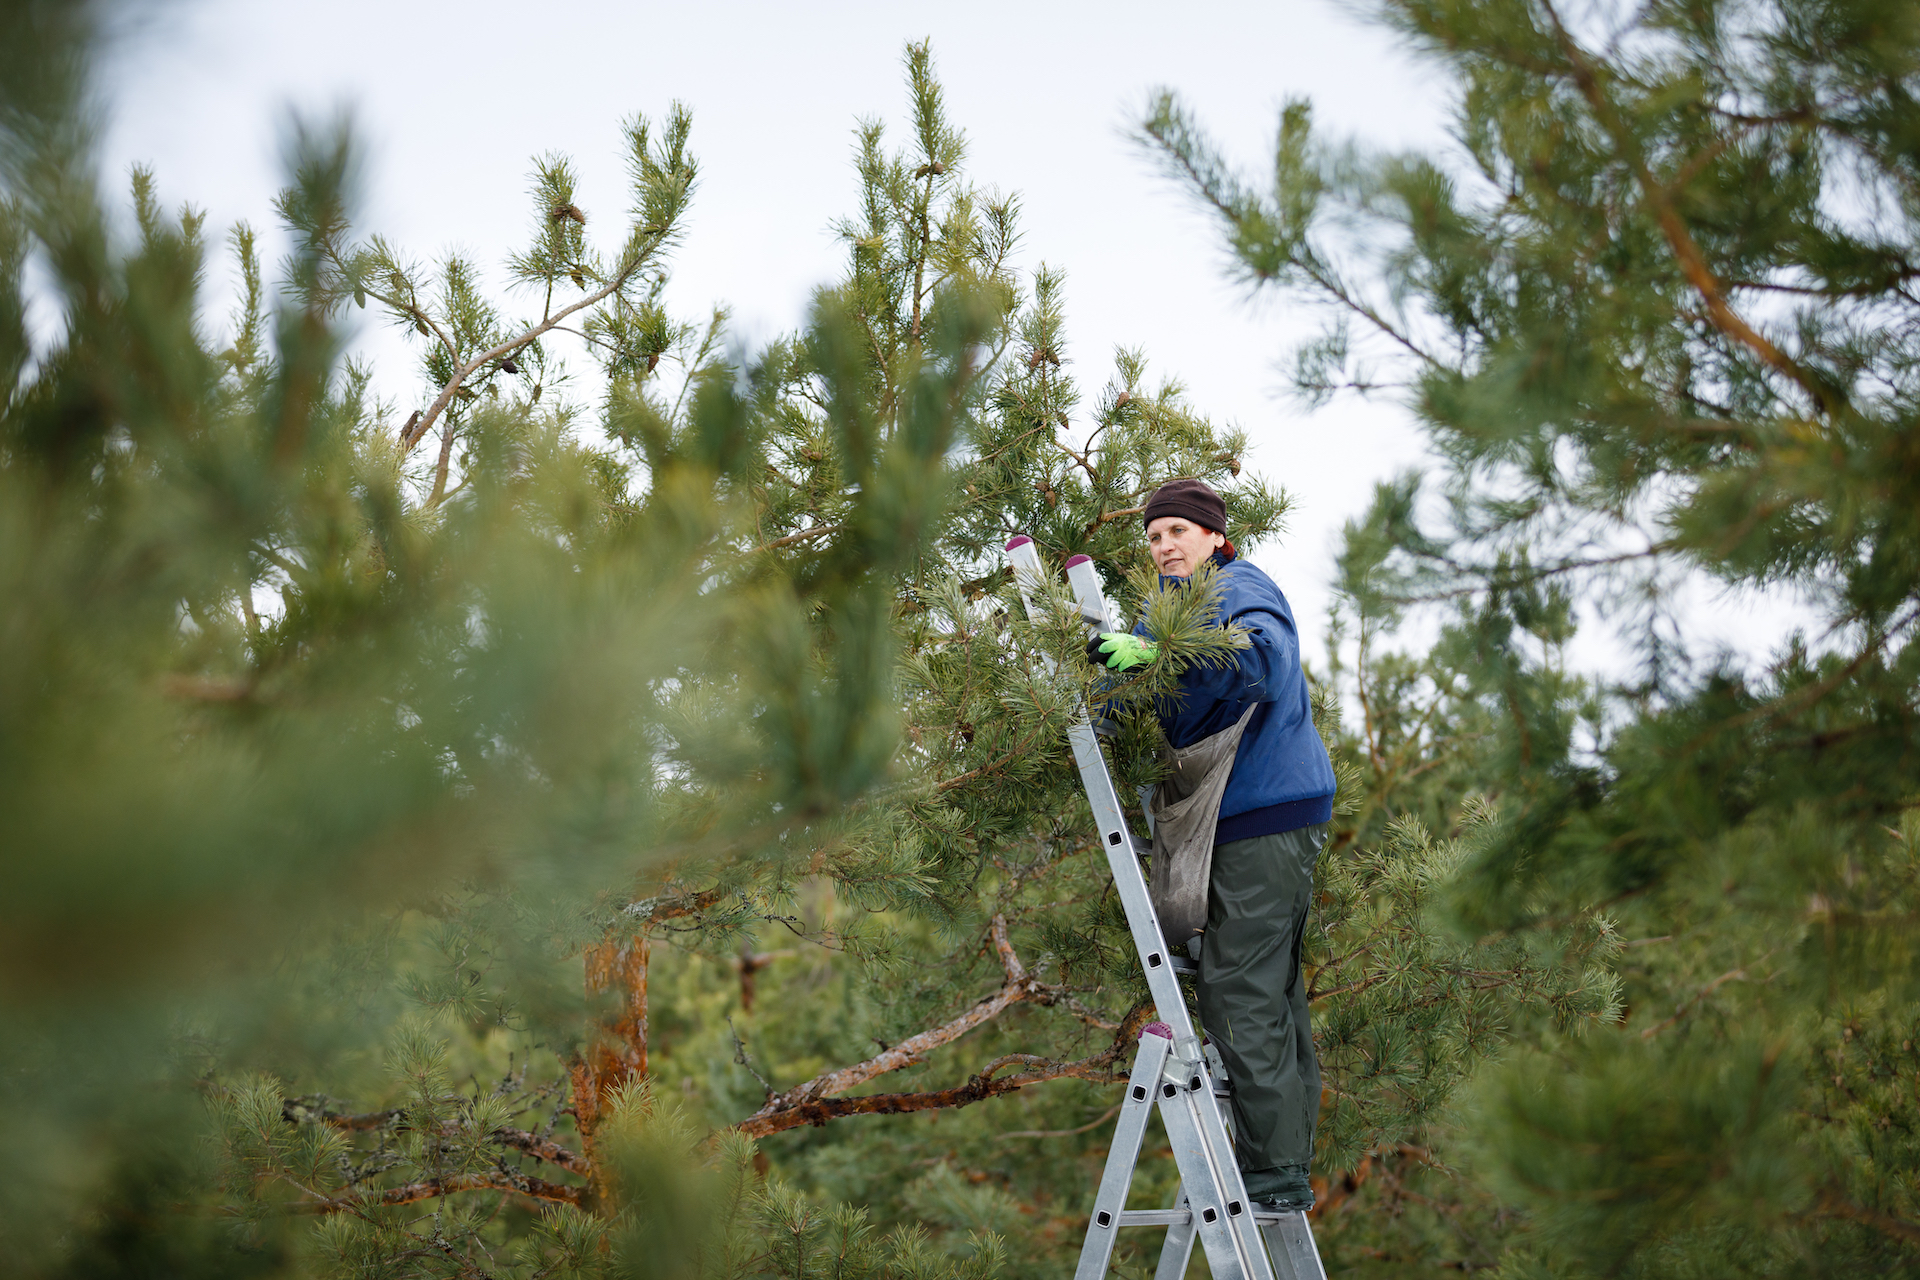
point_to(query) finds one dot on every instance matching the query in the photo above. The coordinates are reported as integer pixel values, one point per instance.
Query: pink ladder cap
(1160, 1029)
(1078, 560)
(1018, 540)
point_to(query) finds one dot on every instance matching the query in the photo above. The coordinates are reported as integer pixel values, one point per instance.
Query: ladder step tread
(1180, 1217)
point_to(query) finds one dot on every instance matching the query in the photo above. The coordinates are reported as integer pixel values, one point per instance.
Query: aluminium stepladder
(1172, 1070)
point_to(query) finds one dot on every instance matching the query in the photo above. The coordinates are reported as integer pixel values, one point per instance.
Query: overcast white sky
(453, 100)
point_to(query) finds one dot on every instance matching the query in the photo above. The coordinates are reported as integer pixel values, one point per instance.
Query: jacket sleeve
(1270, 664)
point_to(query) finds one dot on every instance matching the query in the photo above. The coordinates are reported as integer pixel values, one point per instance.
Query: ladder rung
(1180, 1217)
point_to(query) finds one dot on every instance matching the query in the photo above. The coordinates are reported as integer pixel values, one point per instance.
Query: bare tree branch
(813, 1102)
(1103, 1066)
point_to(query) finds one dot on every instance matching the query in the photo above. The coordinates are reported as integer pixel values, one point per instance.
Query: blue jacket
(1282, 778)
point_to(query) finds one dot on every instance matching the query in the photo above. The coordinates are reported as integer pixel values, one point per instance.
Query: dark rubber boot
(1281, 1187)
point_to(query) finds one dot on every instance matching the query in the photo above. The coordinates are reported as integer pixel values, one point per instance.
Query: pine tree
(1658, 321)
(266, 673)
(410, 755)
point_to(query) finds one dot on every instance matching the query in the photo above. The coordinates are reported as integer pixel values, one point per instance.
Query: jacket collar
(1219, 560)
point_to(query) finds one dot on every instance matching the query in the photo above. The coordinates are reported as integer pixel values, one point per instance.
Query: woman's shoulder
(1247, 586)
(1241, 574)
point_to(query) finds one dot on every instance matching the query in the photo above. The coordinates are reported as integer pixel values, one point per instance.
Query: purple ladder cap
(1079, 560)
(1160, 1029)
(1018, 540)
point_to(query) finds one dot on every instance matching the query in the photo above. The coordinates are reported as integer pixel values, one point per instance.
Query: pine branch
(1835, 1205)
(1106, 516)
(1092, 1124)
(818, 531)
(1732, 975)
(1079, 458)
(657, 911)
(429, 1188)
(992, 766)
(1673, 227)
(1018, 988)
(619, 281)
(535, 1145)
(542, 1149)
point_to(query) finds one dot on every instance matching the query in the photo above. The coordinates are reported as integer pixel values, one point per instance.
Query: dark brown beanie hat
(1194, 499)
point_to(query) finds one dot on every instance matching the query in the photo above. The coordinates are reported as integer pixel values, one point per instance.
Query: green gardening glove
(1121, 651)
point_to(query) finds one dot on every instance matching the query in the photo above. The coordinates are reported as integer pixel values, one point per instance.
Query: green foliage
(413, 799)
(1659, 325)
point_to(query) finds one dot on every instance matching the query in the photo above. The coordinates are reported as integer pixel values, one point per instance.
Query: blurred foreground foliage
(442, 838)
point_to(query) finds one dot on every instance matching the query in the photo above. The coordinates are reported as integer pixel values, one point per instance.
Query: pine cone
(568, 211)
(509, 364)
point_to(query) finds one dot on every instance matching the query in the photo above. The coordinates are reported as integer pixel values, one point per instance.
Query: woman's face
(1180, 546)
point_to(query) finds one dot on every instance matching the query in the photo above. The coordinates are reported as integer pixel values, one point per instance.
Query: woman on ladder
(1253, 723)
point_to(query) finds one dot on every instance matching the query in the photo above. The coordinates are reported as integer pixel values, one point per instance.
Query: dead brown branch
(1017, 988)
(661, 910)
(541, 1149)
(814, 1102)
(1104, 1066)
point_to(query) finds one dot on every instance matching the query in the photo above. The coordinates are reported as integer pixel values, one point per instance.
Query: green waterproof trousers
(1253, 997)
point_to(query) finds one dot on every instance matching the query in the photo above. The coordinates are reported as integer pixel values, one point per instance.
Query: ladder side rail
(1110, 1202)
(1084, 580)
(1176, 1254)
(1130, 883)
(1290, 1240)
(1211, 1124)
(1123, 858)
(1213, 1217)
